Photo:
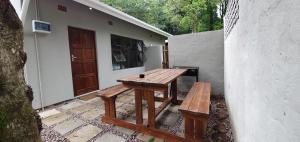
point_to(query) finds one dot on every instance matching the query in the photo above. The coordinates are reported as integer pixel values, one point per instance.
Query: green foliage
(151, 139)
(173, 16)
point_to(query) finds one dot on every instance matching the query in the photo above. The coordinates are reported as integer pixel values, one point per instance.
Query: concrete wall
(54, 51)
(262, 71)
(153, 57)
(204, 50)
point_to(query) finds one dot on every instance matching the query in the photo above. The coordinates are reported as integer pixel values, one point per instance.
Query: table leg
(151, 108)
(139, 106)
(174, 91)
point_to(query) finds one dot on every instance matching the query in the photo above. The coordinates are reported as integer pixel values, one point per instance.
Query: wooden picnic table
(154, 80)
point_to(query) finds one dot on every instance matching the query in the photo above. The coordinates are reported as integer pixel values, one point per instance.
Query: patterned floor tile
(157, 104)
(109, 137)
(84, 134)
(82, 108)
(49, 135)
(126, 108)
(180, 131)
(125, 99)
(145, 113)
(71, 105)
(68, 125)
(96, 99)
(173, 108)
(51, 120)
(80, 120)
(92, 114)
(168, 118)
(130, 118)
(123, 130)
(47, 113)
(118, 104)
(147, 138)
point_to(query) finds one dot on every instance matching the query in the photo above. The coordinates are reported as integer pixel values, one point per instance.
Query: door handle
(73, 58)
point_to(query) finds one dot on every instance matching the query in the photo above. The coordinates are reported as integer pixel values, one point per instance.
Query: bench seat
(195, 110)
(109, 97)
(113, 91)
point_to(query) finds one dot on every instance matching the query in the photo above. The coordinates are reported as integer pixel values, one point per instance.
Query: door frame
(165, 52)
(96, 56)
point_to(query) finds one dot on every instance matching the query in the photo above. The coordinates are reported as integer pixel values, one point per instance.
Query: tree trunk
(210, 15)
(18, 120)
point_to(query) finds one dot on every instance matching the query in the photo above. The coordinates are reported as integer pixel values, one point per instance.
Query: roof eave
(121, 15)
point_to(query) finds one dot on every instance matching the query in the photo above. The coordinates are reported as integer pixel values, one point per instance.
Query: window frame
(128, 50)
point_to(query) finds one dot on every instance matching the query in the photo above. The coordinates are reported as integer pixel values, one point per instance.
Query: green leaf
(151, 139)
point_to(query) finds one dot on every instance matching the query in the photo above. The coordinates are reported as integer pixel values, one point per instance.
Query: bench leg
(194, 129)
(200, 128)
(110, 107)
(188, 128)
(139, 106)
(107, 110)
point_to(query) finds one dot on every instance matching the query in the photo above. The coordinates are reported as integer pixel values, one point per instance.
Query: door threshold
(85, 94)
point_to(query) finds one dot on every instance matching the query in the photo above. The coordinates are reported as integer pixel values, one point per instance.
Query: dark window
(126, 52)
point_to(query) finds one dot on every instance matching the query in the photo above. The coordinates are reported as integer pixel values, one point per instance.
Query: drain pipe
(37, 56)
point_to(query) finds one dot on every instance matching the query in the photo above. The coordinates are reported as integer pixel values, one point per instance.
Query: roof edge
(121, 15)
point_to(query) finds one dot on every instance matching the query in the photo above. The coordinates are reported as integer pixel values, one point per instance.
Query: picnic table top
(154, 77)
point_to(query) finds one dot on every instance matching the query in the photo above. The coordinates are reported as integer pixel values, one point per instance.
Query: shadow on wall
(204, 50)
(153, 56)
(185, 83)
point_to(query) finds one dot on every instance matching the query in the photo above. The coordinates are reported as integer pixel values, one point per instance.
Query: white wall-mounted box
(41, 27)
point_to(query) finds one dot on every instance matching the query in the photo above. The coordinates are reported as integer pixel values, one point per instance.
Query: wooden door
(83, 60)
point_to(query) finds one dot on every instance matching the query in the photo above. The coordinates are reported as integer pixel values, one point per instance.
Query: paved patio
(79, 121)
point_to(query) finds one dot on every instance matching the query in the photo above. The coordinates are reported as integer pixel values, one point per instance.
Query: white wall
(262, 71)
(54, 51)
(204, 50)
(153, 57)
(17, 5)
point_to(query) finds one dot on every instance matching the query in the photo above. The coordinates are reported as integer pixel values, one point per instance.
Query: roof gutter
(121, 15)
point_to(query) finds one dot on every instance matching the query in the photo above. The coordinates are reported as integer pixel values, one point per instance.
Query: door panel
(84, 61)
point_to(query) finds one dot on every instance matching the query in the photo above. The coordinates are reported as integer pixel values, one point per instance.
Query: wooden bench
(109, 97)
(195, 110)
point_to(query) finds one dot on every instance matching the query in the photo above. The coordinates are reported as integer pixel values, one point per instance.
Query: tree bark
(18, 120)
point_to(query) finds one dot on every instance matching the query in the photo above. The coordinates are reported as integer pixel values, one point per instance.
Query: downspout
(37, 56)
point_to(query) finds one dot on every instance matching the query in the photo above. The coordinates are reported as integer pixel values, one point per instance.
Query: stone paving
(80, 121)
